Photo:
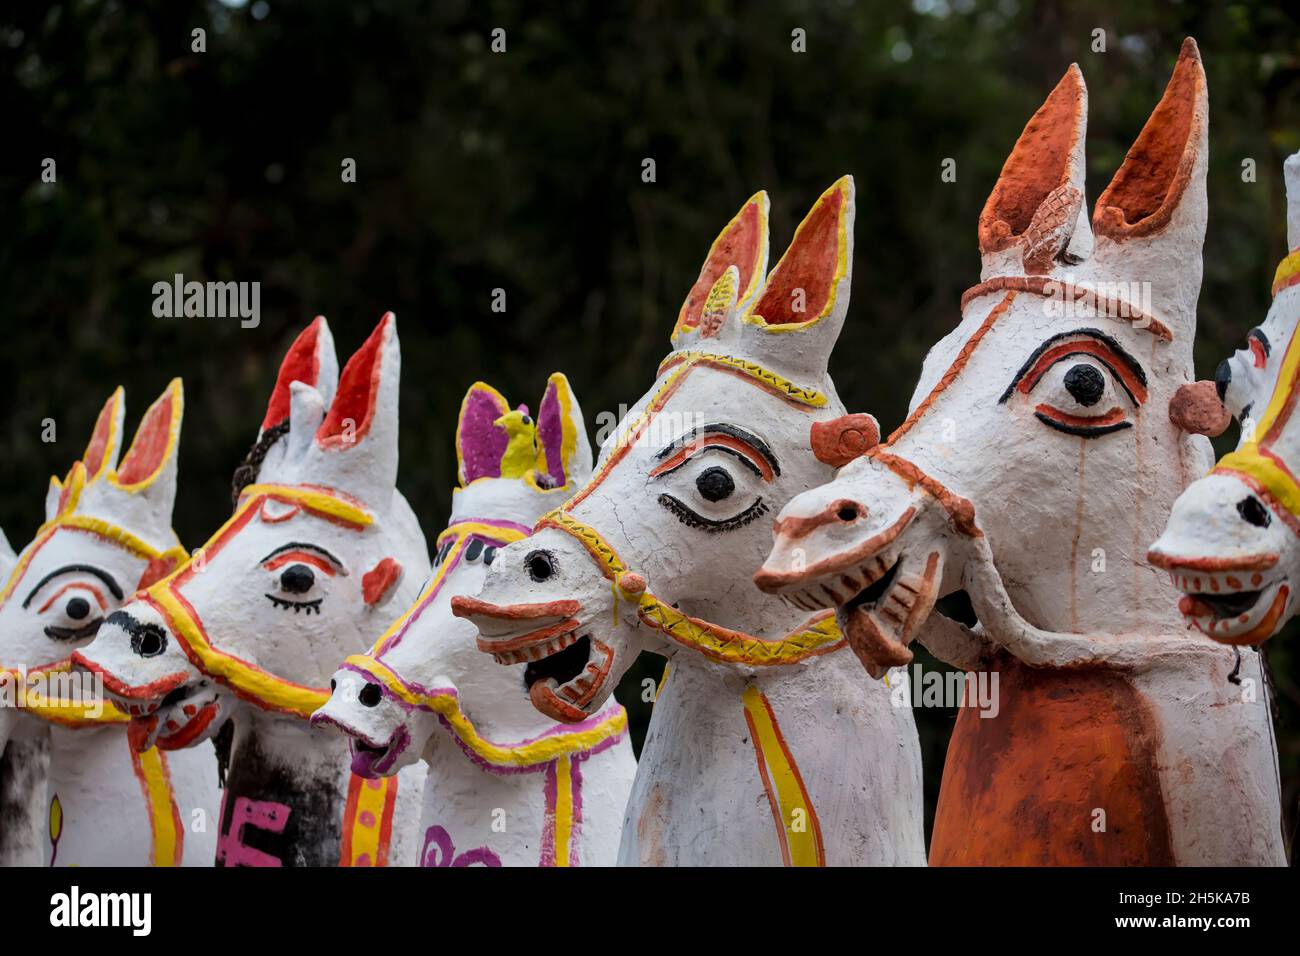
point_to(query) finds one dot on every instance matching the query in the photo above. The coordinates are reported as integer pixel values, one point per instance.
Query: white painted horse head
(107, 532)
(320, 550)
(425, 671)
(1039, 454)
(654, 541)
(1232, 544)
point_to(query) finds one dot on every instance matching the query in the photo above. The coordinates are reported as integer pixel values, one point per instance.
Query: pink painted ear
(352, 413)
(563, 452)
(480, 443)
(804, 286)
(154, 446)
(106, 440)
(743, 244)
(311, 360)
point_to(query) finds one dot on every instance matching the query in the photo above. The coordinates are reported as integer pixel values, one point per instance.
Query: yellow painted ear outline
(71, 488)
(752, 317)
(502, 405)
(114, 410)
(175, 394)
(759, 265)
(568, 435)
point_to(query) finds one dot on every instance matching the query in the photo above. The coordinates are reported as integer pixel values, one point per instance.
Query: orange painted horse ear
(1150, 185)
(352, 412)
(805, 286)
(311, 360)
(105, 442)
(1036, 201)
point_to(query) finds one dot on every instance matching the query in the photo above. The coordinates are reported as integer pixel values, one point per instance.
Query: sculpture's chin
(372, 760)
(881, 620)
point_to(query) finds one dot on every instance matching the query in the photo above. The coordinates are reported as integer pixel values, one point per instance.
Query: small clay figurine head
(320, 548)
(425, 671)
(654, 550)
(107, 532)
(1231, 543)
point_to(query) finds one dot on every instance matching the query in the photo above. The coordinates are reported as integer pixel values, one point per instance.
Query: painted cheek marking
(379, 580)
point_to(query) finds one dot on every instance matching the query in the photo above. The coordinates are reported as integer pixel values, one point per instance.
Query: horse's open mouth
(564, 685)
(370, 759)
(881, 619)
(1219, 606)
(185, 716)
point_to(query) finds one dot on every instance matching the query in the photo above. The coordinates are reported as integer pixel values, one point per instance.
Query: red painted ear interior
(740, 244)
(301, 364)
(840, 440)
(1038, 164)
(149, 447)
(97, 449)
(1158, 167)
(808, 267)
(157, 569)
(357, 393)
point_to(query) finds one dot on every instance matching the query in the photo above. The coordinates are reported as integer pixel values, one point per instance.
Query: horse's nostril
(148, 640)
(847, 511)
(540, 565)
(370, 696)
(1254, 512)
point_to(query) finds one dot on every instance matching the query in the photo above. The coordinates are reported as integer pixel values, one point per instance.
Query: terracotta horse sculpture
(1232, 544)
(73, 790)
(766, 745)
(321, 552)
(506, 786)
(1037, 462)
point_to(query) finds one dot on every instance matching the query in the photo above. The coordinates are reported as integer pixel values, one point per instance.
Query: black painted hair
(247, 471)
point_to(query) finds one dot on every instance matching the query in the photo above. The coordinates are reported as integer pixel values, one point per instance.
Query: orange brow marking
(725, 441)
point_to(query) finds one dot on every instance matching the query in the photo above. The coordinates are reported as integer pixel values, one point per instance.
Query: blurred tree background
(522, 171)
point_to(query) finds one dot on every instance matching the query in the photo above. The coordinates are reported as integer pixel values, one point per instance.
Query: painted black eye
(297, 579)
(715, 484)
(474, 550)
(1085, 384)
(370, 696)
(1254, 512)
(148, 640)
(78, 608)
(1223, 378)
(333, 685)
(540, 565)
(489, 555)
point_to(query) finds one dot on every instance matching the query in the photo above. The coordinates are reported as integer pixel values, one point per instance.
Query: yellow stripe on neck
(446, 704)
(1250, 461)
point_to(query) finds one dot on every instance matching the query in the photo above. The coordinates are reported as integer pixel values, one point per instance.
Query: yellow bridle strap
(461, 532)
(248, 681)
(820, 635)
(1288, 272)
(326, 503)
(1276, 480)
(765, 377)
(446, 704)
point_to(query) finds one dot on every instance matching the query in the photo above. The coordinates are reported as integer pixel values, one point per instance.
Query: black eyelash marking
(312, 607)
(1080, 430)
(692, 520)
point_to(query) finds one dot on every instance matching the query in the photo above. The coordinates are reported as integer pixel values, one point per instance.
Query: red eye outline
(733, 445)
(1124, 370)
(300, 557)
(99, 597)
